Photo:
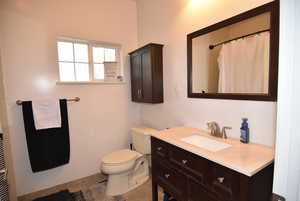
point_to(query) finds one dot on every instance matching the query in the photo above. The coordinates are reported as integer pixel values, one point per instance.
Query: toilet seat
(119, 161)
(120, 157)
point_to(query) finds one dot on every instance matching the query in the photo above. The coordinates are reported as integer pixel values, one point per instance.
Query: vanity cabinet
(189, 177)
(147, 74)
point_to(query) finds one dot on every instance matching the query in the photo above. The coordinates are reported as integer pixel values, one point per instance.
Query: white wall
(168, 22)
(287, 163)
(100, 122)
(205, 73)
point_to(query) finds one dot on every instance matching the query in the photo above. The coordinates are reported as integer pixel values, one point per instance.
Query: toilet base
(119, 198)
(119, 184)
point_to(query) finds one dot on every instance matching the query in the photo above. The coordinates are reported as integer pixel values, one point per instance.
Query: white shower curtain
(244, 65)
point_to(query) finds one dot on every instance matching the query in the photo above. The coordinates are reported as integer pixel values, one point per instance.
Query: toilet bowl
(128, 169)
(119, 161)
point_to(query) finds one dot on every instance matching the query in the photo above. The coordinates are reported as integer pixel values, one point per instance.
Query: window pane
(65, 51)
(66, 71)
(82, 72)
(98, 54)
(98, 71)
(110, 70)
(110, 55)
(81, 52)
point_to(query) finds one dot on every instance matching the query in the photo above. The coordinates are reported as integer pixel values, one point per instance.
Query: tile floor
(96, 192)
(141, 193)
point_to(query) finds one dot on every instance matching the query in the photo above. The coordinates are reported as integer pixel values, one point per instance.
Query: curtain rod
(251, 34)
(76, 99)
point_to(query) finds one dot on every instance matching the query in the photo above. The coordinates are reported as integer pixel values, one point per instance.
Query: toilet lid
(120, 156)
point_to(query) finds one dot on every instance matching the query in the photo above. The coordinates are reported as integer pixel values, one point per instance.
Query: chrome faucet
(224, 135)
(216, 131)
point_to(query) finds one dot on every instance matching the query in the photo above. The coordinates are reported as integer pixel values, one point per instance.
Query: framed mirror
(236, 58)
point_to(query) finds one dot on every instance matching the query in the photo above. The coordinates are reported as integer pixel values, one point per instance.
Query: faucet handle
(212, 127)
(209, 124)
(227, 127)
(224, 135)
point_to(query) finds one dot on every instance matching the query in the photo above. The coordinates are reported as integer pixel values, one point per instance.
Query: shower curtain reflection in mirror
(244, 65)
(235, 59)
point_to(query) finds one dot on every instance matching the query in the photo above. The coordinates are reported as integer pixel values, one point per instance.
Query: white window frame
(91, 44)
(106, 45)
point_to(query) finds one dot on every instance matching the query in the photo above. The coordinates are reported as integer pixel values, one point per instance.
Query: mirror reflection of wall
(239, 66)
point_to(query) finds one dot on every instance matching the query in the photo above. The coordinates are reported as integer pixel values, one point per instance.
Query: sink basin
(205, 143)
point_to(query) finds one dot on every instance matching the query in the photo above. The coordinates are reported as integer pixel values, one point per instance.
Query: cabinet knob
(139, 92)
(159, 148)
(167, 176)
(184, 162)
(221, 179)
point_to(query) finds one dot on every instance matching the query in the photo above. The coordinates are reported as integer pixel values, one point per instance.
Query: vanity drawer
(224, 183)
(172, 181)
(196, 165)
(196, 192)
(159, 148)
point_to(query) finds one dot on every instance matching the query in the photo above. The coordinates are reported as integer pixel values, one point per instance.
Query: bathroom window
(88, 61)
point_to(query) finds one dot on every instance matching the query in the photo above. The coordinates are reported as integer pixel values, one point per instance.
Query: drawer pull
(221, 179)
(159, 148)
(184, 162)
(167, 176)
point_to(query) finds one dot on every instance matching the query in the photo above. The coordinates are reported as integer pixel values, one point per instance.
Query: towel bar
(76, 99)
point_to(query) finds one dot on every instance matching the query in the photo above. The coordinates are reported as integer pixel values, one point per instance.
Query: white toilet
(128, 169)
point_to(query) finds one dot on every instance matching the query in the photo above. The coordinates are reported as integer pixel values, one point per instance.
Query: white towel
(46, 114)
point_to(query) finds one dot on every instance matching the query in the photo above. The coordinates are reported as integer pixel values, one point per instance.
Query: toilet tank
(141, 139)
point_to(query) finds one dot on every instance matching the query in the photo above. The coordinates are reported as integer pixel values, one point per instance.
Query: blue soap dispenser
(244, 131)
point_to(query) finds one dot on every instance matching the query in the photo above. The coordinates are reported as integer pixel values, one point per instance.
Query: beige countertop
(247, 159)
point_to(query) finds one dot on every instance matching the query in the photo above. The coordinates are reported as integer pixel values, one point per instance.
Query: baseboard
(73, 186)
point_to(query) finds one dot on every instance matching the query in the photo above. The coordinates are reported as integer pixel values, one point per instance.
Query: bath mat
(64, 195)
(97, 193)
(78, 196)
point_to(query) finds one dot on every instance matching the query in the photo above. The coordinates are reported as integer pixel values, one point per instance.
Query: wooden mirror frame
(273, 8)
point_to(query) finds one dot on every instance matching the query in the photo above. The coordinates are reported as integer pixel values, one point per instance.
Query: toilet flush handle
(140, 161)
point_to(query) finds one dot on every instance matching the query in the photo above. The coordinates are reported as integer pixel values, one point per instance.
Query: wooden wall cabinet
(147, 74)
(189, 177)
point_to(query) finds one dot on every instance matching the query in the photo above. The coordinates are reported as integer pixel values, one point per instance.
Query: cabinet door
(225, 183)
(172, 181)
(146, 75)
(196, 192)
(136, 77)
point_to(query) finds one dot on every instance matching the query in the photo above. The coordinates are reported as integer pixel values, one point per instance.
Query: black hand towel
(47, 148)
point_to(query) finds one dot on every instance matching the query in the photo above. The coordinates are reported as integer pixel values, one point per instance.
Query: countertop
(247, 159)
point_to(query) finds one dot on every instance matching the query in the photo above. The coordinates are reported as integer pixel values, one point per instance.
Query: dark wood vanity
(189, 177)
(147, 74)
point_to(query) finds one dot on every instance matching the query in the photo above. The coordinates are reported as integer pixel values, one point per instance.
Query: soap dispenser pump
(244, 131)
